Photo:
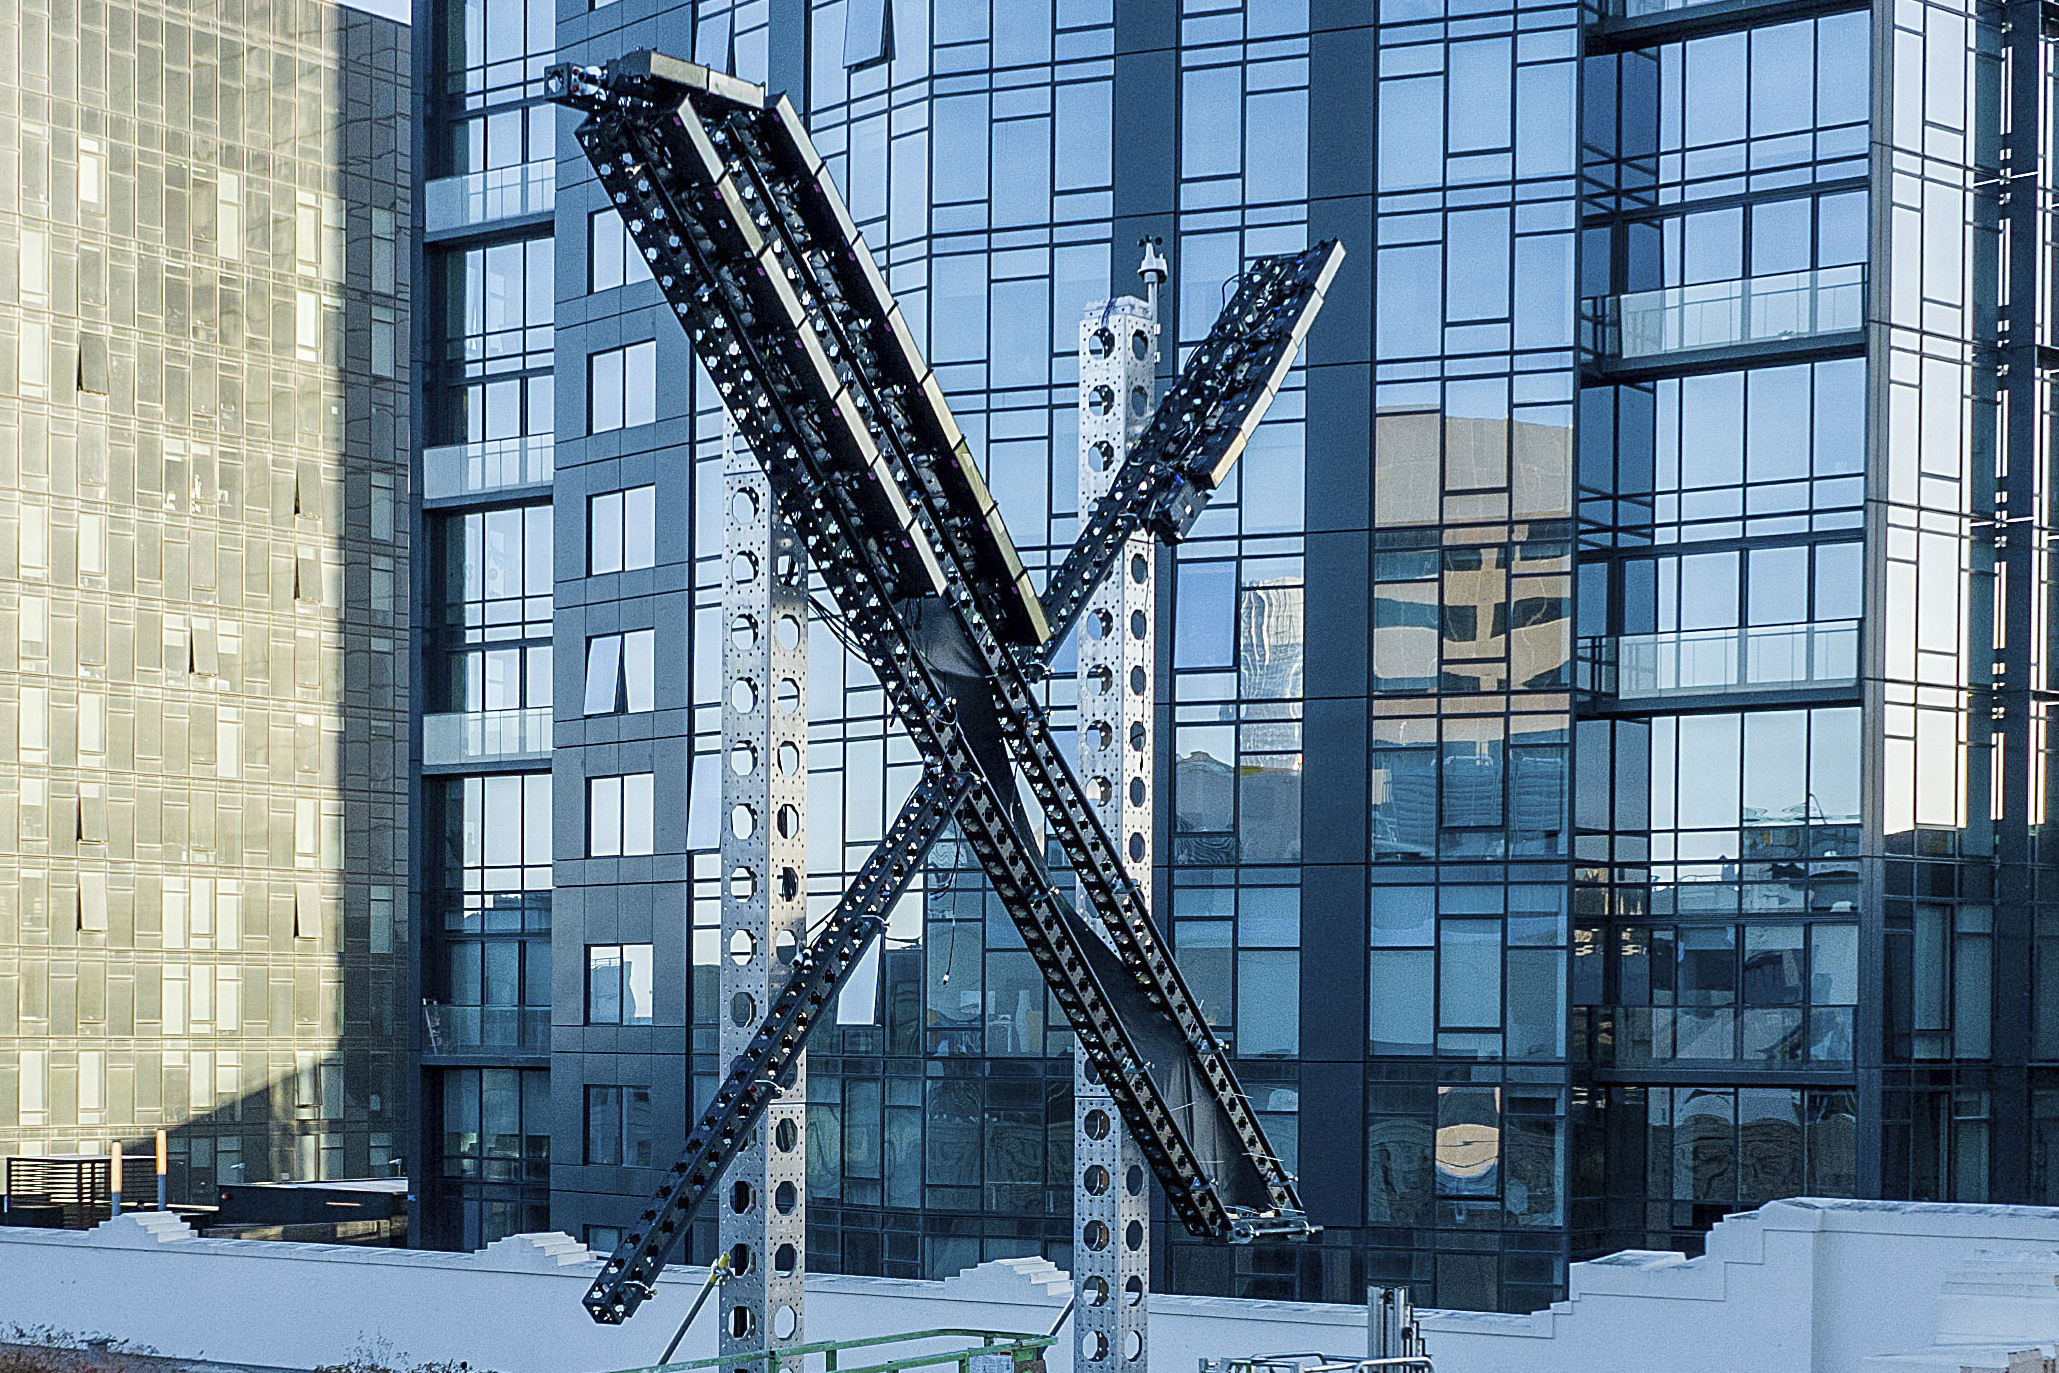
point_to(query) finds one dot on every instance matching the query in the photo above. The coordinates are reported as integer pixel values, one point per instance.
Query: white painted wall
(1796, 1287)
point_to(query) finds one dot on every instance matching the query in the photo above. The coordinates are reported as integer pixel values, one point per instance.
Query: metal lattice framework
(751, 245)
(1111, 1204)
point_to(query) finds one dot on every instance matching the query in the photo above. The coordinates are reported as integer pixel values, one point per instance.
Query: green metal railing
(1023, 1352)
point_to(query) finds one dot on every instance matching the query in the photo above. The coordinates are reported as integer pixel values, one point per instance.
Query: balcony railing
(486, 736)
(1727, 314)
(477, 469)
(476, 198)
(471, 1029)
(1711, 661)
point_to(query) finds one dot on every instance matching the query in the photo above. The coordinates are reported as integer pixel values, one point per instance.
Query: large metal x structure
(751, 245)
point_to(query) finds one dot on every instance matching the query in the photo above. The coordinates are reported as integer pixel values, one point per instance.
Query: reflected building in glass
(204, 609)
(1605, 761)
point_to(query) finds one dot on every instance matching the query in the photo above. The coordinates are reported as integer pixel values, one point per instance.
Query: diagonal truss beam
(751, 246)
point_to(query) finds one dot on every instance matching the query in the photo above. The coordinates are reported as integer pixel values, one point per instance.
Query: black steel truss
(751, 245)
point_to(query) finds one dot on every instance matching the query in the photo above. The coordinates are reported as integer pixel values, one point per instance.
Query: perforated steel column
(1111, 1198)
(764, 902)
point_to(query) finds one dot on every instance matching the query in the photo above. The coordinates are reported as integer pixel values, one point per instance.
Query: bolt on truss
(750, 243)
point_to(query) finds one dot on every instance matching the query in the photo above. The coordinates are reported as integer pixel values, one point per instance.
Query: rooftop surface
(1802, 1286)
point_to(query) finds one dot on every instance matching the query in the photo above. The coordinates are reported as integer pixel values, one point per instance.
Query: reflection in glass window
(495, 871)
(497, 339)
(491, 623)
(618, 1126)
(620, 672)
(496, 1124)
(612, 257)
(1468, 1141)
(622, 387)
(618, 984)
(622, 530)
(620, 822)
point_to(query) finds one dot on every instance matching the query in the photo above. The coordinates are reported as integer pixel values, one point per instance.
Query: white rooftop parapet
(1795, 1287)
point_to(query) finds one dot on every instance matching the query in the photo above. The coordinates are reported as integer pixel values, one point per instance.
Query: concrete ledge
(1806, 1286)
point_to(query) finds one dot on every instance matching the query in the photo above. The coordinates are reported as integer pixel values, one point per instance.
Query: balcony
(467, 738)
(1711, 662)
(460, 470)
(486, 1029)
(1789, 306)
(453, 204)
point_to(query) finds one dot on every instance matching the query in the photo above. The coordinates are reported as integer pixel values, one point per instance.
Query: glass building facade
(204, 457)
(1607, 732)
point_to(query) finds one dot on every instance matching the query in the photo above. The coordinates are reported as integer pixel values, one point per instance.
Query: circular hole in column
(787, 821)
(785, 1136)
(1101, 343)
(743, 1010)
(1139, 623)
(1140, 345)
(1094, 1235)
(1136, 847)
(1095, 1124)
(1103, 792)
(788, 694)
(789, 758)
(1140, 567)
(1133, 1236)
(1133, 1346)
(1137, 736)
(1101, 400)
(1093, 1346)
(785, 1321)
(742, 1321)
(1102, 733)
(743, 760)
(1100, 625)
(786, 565)
(785, 1260)
(743, 696)
(1101, 456)
(1102, 678)
(785, 945)
(1092, 1071)
(743, 946)
(743, 633)
(786, 1197)
(1133, 1180)
(1133, 1291)
(743, 822)
(1096, 1289)
(743, 506)
(740, 1197)
(1095, 1180)
(742, 1258)
(743, 884)
(1138, 681)
(789, 884)
(743, 569)
(1140, 401)
(786, 632)
(1136, 791)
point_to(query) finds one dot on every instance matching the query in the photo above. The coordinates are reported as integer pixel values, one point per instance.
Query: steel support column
(1111, 1186)
(764, 897)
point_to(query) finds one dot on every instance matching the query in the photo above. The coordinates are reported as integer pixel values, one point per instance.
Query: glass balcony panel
(1729, 314)
(475, 469)
(486, 736)
(480, 198)
(468, 1029)
(1710, 661)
